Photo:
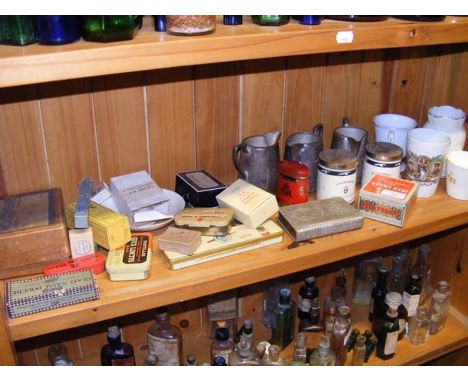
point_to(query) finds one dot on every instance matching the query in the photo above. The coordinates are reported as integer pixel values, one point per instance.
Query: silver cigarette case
(322, 218)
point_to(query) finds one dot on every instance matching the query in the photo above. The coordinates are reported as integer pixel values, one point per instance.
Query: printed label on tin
(330, 186)
(167, 350)
(136, 250)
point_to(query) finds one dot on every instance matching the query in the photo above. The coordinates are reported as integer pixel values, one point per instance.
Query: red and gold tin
(293, 183)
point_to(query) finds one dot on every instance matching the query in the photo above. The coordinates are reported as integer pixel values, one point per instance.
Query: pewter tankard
(305, 147)
(256, 159)
(353, 139)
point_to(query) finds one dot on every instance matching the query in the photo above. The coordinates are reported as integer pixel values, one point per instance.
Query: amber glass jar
(190, 25)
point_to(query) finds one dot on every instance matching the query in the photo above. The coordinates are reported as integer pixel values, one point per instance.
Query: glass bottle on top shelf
(322, 355)
(58, 355)
(109, 28)
(159, 23)
(219, 361)
(243, 356)
(116, 352)
(273, 358)
(191, 360)
(340, 335)
(365, 275)
(17, 30)
(151, 360)
(377, 303)
(412, 294)
(419, 330)
(359, 351)
(388, 335)
(271, 298)
(232, 20)
(312, 323)
(439, 309)
(300, 349)
(307, 292)
(56, 30)
(190, 24)
(270, 20)
(165, 340)
(222, 312)
(284, 319)
(394, 300)
(222, 345)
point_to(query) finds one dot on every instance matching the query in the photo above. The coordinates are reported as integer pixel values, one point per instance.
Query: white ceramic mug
(457, 174)
(393, 128)
(424, 159)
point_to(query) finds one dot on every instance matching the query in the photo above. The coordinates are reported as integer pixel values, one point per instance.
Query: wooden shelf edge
(151, 50)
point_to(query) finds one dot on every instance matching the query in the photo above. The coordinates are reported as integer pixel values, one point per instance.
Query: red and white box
(386, 199)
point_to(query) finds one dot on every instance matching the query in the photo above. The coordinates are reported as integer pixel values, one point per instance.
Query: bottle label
(402, 325)
(304, 304)
(222, 353)
(167, 350)
(390, 342)
(129, 361)
(410, 302)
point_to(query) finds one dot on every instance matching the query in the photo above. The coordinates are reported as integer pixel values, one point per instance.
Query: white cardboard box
(251, 205)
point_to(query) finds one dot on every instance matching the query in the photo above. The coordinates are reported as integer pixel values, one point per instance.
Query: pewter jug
(256, 159)
(353, 139)
(305, 147)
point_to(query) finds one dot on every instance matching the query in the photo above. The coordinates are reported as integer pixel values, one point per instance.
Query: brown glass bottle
(116, 352)
(388, 335)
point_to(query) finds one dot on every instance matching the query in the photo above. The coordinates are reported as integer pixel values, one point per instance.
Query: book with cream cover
(241, 239)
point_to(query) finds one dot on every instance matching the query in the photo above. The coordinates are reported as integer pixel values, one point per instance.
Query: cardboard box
(251, 205)
(386, 199)
(32, 232)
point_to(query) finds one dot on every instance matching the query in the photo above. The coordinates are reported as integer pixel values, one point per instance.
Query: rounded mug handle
(235, 154)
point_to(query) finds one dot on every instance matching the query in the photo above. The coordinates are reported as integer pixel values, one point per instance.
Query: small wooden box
(32, 232)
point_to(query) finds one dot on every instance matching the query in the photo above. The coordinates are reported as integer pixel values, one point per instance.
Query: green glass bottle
(270, 20)
(17, 30)
(109, 28)
(284, 319)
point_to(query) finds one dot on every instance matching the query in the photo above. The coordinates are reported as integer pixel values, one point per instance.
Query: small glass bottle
(284, 323)
(309, 20)
(419, 330)
(359, 351)
(365, 275)
(165, 340)
(412, 294)
(312, 324)
(222, 345)
(322, 355)
(388, 335)
(243, 356)
(159, 23)
(270, 300)
(109, 28)
(190, 24)
(116, 352)
(219, 361)
(58, 355)
(151, 360)
(270, 20)
(56, 30)
(247, 332)
(307, 292)
(394, 300)
(329, 320)
(300, 349)
(17, 30)
(341, 281)
(439, 309)
(191, 360)
(335, 299)
(422, 269)
(377, 304)
(273, 358)
(261, 349)
(340, 335)
(232, 20)
(397, 277)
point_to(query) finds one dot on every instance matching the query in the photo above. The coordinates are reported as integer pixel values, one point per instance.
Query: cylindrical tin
(382, 158)
(293, 182)
(336, 175)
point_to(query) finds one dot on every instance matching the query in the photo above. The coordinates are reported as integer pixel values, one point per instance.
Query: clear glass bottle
(307, 292)
(270, 300)
(341, 281)
(312, 324)
(165, 340)
(222, 345)
(247, 332)
(412, 294)
(116, 352)
(273, 358)
(419, 331)
(300, 349)
(58, 355)
(439, 309)
(219, 361)
(394, 300)
(340, 335)
(359, 351)
(151, 360)
(396, 279)
(365, 275)
(377, 303)
(322, 355)
(422, 269)
(329, 320)
(243, 356)
(191, 360)
(336, 299)
(284, 323)
(388, 335)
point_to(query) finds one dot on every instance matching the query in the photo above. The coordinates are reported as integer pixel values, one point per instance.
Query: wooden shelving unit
(155, 50)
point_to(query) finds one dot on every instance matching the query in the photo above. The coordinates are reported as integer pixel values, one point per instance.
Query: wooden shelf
(166, 287)
(155, 50)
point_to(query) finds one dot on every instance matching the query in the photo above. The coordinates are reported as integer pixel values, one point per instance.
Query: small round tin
(382, 158)
(293, 182)
(336, 175)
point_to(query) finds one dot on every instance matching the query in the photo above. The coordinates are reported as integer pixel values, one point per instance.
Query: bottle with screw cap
(439, 309)
(322, 355)
(222, 345)
(284, 319)
(116, 352)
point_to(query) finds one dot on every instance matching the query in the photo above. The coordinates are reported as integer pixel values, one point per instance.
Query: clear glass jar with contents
(190, 25)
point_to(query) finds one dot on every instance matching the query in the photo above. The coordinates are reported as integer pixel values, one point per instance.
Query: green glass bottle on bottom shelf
(270, 20)
(16, 30)
(109, 28)
(284, 314)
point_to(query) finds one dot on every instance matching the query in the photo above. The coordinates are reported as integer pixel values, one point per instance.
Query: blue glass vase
(55, 30)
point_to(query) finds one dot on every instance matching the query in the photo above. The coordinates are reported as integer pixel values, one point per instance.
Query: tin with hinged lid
(336, 174)
(382, 158)
(293, 182)
(208, 221)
